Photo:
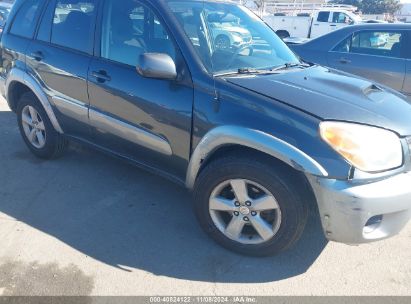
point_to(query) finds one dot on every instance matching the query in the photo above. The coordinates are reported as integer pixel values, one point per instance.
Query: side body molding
(263, 142)
(24, 78)
(130, 133)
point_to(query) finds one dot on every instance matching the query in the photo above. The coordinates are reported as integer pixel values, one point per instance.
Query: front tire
(36, 129)
(222, 42)
(250, 205)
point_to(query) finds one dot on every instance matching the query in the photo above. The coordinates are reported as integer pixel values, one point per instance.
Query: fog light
(373, 223)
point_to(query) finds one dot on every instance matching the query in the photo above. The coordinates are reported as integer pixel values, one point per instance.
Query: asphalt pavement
(89, 224)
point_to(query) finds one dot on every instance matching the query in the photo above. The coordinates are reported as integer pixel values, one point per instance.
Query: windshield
(229, 38)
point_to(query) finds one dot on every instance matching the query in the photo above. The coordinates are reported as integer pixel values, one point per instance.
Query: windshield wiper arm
(245, 71)
(251, 71)
(289, 65)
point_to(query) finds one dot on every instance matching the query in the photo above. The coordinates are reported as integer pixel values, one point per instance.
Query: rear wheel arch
(16, 89)
(19, 83)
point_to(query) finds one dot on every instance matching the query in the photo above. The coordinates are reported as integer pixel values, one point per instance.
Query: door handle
(38, 55)
(333, 25)
(101, 76)
(344, 60)
(316, 24)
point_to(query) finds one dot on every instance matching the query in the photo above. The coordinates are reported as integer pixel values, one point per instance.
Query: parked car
(4, 14)
(381, 52)
(302, 26)
(227, 32)
(257, 135)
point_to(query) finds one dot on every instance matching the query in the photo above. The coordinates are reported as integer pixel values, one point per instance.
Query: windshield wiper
(290, 65)
(245, 71)
(252, 71)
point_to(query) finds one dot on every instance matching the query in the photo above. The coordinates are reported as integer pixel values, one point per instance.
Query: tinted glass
(379, 43)
(131, 29)
(73, 24)
(323, 16)
(44, 31)
(229, 37)
(343, 46)
(406, 41)
(24, 23)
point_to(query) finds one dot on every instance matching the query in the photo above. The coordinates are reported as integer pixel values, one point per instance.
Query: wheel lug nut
(237, 204)
(248, 204)
(253, 213)
(236, 213)
(246, 219)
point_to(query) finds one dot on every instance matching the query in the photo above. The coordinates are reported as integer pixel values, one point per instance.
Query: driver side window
(131, 29)
(341, 18)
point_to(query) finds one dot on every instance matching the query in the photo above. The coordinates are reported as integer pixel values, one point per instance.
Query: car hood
(295, 40)
(237, 29)
(334, 95)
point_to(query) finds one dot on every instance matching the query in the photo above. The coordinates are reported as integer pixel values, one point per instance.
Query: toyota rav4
(255, 133)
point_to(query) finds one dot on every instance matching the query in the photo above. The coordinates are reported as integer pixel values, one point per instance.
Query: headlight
(237, 37)
(369, 149)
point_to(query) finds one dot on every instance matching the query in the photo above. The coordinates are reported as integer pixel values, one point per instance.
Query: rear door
(148, 120)
(20, 34)
(376, 55)
(60, 57)
(321, 24)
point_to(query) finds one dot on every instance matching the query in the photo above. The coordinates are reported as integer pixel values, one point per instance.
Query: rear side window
(25, 21)
(344, 46)
(323, 16)
(73, 24)
(387, 44)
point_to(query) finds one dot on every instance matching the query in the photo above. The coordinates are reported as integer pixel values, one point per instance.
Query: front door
(148, 120)
(321, 25)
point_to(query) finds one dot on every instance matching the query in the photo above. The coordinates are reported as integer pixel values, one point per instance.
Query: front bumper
(348, 208)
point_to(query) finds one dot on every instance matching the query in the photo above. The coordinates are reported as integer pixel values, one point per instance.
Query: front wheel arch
(224, 137)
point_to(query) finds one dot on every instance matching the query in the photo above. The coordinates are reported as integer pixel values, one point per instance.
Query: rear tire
(262, 233)
(36, 129)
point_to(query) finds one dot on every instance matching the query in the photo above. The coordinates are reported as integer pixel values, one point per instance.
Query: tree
(356, 3)
(373, 6)
(380, 6)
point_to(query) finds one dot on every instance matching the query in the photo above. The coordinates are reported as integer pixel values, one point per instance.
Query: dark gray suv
(255, 133)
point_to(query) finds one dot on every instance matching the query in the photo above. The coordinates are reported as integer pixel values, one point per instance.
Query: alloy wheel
(33, 126)
(244, 211)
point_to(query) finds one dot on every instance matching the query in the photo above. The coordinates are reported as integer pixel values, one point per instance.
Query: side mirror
(158, 66)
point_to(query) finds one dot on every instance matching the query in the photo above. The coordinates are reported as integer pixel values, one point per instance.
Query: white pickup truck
(306, 26)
